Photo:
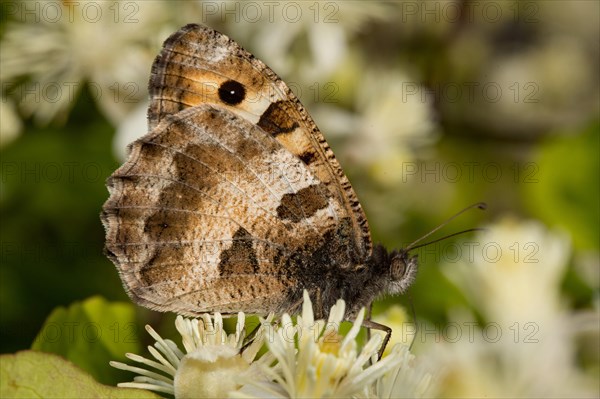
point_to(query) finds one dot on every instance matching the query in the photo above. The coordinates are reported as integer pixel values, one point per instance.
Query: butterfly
(234, 201)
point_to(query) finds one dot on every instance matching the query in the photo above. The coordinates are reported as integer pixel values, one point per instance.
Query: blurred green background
(429, 107)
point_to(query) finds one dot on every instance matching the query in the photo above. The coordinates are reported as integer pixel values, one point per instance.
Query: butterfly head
(403, 269)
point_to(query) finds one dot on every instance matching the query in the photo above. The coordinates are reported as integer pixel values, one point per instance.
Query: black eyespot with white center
(232, 92)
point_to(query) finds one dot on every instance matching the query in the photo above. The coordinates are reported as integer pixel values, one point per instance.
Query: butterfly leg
(368, 315)
(318, 307)
(268, 329)
(376, 326)
(250, 338)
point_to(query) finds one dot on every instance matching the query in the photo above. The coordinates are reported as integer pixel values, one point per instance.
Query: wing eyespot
(232, 92)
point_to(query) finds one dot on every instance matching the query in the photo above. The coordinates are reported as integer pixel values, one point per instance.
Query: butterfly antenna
(448, 236)
(412, 245)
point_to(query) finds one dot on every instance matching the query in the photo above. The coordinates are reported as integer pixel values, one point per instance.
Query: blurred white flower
(131, 128)
(392, 117)
(407, 380)
(396, 117)
(108, 45)
(549, 87)
(514, 271)
(390, 123)
(526, 347)
(273, 30)
(10, 123)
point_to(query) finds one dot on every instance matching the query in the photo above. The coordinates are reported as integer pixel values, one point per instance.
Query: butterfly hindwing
(202, 217)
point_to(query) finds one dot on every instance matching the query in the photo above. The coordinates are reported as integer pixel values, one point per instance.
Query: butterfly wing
(233, 201)
(199, 65)
(205, 216)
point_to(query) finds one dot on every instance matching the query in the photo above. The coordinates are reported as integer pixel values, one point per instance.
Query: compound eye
(398, 267)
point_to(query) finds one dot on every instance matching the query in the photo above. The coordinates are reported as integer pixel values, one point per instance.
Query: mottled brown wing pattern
(199, 218)
(233, 201)
(192, 68)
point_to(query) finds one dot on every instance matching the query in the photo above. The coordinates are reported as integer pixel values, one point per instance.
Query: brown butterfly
(234, 201)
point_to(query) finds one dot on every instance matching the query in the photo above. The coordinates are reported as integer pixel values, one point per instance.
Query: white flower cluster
(304, 359)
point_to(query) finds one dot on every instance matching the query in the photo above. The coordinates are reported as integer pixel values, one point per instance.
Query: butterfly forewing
(191, 69)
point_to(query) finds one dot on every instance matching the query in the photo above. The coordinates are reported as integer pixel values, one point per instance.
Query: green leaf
(564, 190)
(90, 334)
(30, 374)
